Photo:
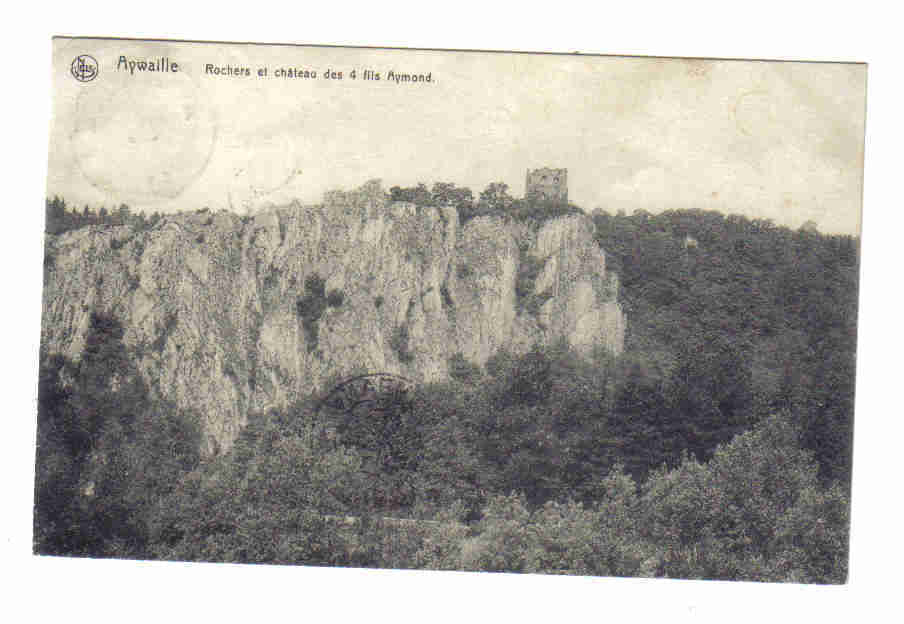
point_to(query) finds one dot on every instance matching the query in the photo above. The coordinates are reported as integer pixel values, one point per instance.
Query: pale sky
(778, 140)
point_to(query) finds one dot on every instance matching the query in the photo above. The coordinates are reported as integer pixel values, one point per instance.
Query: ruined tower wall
(546, 183)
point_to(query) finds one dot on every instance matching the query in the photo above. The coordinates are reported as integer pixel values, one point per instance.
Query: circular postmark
(84, 68)
(368, 393)
(143, 141)
(373, 413)
(264, 157)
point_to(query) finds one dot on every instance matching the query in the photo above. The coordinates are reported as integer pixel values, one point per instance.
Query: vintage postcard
(450, 310)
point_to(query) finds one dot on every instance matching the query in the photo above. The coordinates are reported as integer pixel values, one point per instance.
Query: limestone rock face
(218, 311)
(583, 307)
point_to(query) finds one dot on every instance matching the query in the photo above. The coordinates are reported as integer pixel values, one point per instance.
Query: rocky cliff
(229, 314)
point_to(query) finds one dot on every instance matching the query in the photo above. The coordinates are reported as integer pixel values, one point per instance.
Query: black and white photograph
(419, 309)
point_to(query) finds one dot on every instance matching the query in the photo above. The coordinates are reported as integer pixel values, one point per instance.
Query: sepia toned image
(450, 310)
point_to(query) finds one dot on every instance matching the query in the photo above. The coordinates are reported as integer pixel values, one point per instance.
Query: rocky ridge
(232, 314)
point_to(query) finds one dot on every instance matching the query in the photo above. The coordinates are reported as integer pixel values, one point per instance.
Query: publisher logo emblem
(84, 68)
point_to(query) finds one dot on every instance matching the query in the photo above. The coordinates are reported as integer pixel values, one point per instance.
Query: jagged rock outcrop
(220, 311)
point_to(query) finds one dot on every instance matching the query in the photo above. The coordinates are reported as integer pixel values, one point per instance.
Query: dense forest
(717, 446)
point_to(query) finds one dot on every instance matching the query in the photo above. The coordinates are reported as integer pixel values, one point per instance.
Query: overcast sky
(776, 140)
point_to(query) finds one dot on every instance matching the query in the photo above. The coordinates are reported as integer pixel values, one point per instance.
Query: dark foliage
(733, 318)
(446, 296)
(169, 326)
(399, 342)
(494, 200)
(443, 194)
(464, 371)
(449, 457)
(538, 209)
(718, 445)
(529, 269)
(60, 218)
(335, 298)
(106, 451)
(311, 307)
(419, 195)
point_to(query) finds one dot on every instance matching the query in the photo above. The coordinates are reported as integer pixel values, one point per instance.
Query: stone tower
(545, 183)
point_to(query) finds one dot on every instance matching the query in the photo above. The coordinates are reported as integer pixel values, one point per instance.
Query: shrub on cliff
(419, 195)
(539, 210)
(335, 298)
(494, 200)
(399, 342)
(312, 305)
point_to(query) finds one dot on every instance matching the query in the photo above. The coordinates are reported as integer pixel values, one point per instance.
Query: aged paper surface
(201, 124)
(426, 309)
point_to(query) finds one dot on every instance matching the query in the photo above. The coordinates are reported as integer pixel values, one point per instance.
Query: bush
(540, 210)
(754, 512)
(447, 298)
(314, 285)
(505, 542)
(463, 370)
(558, 538)
(529, 269)
(311, 307)
(169, 324)
(398, 341)
(335, 298)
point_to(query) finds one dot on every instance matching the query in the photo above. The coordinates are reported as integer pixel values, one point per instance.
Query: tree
(107, 452)
(123, 215)
(447, 194)
(419, 194)
(709, 395)
(560, 538)
(746, 514)
(495, 199)
(462, 199)
(55, 215)
(505, 540)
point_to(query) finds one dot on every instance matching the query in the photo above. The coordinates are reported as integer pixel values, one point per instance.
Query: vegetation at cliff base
(731, 318)
(716, 446)
(107, 452)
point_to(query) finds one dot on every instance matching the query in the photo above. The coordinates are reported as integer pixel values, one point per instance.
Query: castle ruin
(548, 184)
